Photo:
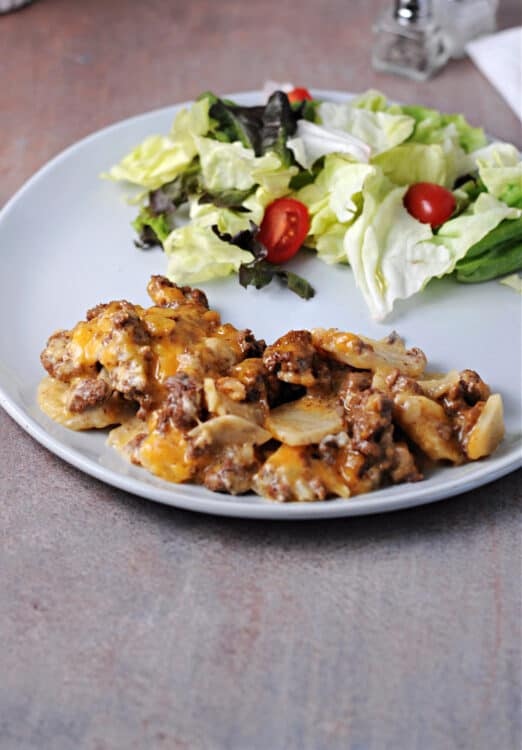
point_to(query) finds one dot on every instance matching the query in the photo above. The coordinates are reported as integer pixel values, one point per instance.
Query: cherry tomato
(429, 203)
(297, 95)
(284, 227)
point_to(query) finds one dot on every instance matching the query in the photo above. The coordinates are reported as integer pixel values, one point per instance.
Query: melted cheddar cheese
(315, 415)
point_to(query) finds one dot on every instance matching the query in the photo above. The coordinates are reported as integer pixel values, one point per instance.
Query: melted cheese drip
(165, 456)
(173, 332)
(141, 349)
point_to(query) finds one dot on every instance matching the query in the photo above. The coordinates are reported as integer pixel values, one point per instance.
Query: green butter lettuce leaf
(339, 181)
(225, 166)
(441, 163)
(512, 194)
(414, 162)
(384, 249)
(343, 182)
(431, 127)
(190, 122)
(500, 170)
(226, 198)
(312, 142)
(160, 159)
(151, 229)
(411, 144)
(498, 253)
(231, 166)
(271, 182)
(329, 245)
(224, 163)
(326, 232)
(374, 101)
(154, 162)
(226, 219)
(380, 130)
(333, 200)
(196, 254)
(272, 176)
(393, 255)
(497, 262)
(471, 226)
(458, 161)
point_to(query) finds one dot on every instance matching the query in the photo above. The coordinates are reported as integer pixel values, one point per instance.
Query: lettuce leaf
(338, 182)
(160, 159)
(393, 255)
(411, 144)
(237, 187)
(473, 225)
(225, 166)
(498, 253)
(431, 126)
(231, 166)
(332, 201)
(500, 169)
(374, 101)
(414, 162)
(196, 254)
(226, 219)
(315, 141)
(380, 130)
(151, 229)
(384, 248)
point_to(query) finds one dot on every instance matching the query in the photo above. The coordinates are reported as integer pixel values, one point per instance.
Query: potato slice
(305, 421)
(53, 397)
(369, 354)
(219, 404)
(229, 429)
(437, 386)
(427, 424)
(488, 430)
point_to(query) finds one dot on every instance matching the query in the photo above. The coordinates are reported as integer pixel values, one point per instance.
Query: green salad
(402, 194)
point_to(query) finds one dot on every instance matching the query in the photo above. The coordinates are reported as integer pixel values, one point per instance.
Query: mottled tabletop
(126, 624)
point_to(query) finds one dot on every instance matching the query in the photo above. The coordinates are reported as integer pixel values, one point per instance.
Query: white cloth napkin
(499, 57)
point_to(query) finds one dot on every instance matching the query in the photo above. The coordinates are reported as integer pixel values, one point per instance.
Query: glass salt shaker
(409, 41)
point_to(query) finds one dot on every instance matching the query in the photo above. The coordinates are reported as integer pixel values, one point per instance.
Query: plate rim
(173, 495)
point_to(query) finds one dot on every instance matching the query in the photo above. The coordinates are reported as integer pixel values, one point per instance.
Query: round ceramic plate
(66, 244)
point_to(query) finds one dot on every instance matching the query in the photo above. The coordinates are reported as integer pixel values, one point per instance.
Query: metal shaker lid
(410, 11)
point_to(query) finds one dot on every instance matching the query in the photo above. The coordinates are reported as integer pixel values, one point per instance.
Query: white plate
(66, 244)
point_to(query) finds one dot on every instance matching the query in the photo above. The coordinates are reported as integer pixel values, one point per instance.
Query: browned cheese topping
(317, 414)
